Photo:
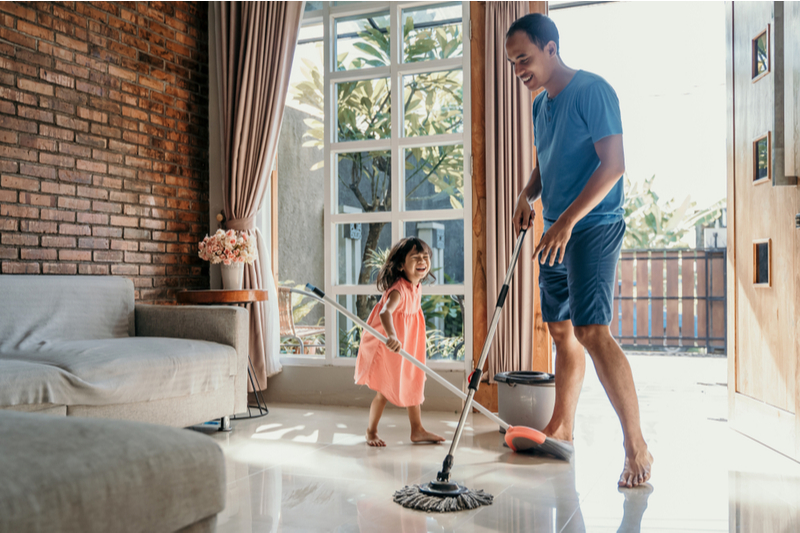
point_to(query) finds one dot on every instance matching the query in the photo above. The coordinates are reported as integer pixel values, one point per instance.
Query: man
(578, 137)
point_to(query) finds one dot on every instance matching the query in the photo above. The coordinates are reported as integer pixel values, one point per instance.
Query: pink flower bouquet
(228, 247)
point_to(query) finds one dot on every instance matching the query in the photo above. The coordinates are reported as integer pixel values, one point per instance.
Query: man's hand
(554, 241)
(523, 214)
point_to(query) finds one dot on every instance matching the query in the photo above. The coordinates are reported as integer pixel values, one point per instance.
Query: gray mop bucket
(526, 398)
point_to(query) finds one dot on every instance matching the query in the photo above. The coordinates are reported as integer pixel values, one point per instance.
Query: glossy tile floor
(308, 469)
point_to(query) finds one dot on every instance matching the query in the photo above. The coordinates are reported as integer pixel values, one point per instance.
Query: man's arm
(533, 190)
(612, 166)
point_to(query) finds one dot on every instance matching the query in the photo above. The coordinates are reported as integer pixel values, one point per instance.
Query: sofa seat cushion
(90, 475)
(115, 371)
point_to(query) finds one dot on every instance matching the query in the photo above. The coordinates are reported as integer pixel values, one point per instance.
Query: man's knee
(593, 335)
(561, 332)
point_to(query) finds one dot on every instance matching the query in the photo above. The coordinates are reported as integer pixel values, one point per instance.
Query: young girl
(399, 316)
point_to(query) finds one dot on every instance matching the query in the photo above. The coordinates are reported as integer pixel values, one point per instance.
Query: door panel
(764, 360)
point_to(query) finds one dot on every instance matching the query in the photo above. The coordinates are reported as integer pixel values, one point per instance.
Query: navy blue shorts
(581, 288)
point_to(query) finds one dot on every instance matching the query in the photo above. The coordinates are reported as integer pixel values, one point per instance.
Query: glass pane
(762, 159)
(444, 324)
(432, 32)
(364, 110)
(362, 41)
(434, 103)
(349, 333)
(760, 55)
(308, 317)
(446, 239)
(360, 249)
(762, 263)
(313, 6)
(304, 117)
(435, 177)
(364, 182)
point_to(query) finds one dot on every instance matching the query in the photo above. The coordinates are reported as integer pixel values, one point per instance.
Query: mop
(443, 495)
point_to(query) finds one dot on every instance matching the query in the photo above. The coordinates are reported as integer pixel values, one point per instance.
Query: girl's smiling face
(416, 266)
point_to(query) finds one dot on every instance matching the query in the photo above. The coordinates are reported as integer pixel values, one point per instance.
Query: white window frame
(398, 217)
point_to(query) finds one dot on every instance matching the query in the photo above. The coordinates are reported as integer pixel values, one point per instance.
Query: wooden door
(763, 199)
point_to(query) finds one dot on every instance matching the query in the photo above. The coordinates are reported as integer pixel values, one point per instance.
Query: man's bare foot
(637, 469)
(374, 440)
(558, 434)
(421, 435)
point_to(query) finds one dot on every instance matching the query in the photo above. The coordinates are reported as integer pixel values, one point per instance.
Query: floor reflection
(761, 502)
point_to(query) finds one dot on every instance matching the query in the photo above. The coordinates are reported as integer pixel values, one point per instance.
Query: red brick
(133, 233)
(19, 268)
(38, 254)
(17, 38)
(41, 200)
(89, 192)
(73, 70)
(74, 229)
(14, 182)
(92, 218)
(59, 216)
(106, 207)
(60, 268)
(18, 11)
(105, 231)
(109, 183)
(58, 133)
(57, 188)
(91, 166)
(35, 114)
(152, 224)
(8, 196)
(165, 236)
(57, 160)
(75, 149)
(18, 239)
(124, 270)
(152, 246)
(90, 114)
(128, 222)
(9, 137)
(74, 44)
(108, 257)
(91, 140)
(151, 83)
(72, 123)
(74, 176)
(17, 96)
(94, 270)
(35, 86)
(59, 79)
(96, 244)
(55, 51)
(8, 224)
(58, 242)
(18, 125)
(74, 203)
(90, 88)
(105, 131)
(74, 255)
(69, 16)
(130, 246)
(7, 252)
(19, 211)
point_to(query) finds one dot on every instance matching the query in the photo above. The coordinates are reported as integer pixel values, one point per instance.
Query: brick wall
(104, 141)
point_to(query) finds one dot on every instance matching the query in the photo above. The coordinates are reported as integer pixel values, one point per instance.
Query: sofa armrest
(213, 323)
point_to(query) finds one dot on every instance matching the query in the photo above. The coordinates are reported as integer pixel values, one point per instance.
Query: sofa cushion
(115, 371)
(90, 475)
(36, 309)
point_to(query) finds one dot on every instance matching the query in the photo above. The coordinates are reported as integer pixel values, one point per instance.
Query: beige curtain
(509, 138)
(255, 43)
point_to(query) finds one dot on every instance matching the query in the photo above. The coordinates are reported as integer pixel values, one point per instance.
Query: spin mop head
(441, 497)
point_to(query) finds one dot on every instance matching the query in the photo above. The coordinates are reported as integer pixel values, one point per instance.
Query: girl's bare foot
(637, 468)
(374, 440)
(421, 435)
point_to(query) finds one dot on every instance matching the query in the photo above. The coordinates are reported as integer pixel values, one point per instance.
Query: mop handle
(318, 294)
(475, 379)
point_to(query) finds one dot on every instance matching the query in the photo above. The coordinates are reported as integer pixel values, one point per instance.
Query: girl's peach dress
(387, 372)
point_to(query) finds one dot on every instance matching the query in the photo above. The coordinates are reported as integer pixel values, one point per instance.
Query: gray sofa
(80, 345)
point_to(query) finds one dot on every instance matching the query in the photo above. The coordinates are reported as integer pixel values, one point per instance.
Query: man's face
(531, 64)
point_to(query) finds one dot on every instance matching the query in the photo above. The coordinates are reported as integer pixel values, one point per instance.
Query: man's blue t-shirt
(565, 130)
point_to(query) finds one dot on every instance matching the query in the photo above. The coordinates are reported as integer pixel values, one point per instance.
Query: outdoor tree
(653, 223)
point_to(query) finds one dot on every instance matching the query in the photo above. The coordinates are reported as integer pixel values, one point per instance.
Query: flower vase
(232, 276)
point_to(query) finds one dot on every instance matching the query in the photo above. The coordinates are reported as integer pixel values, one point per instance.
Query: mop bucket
(526, 398)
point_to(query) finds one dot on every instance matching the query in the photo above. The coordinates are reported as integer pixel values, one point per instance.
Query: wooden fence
(666, 299)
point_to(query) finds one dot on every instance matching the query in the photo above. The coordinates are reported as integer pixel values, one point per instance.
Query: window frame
(396, 144)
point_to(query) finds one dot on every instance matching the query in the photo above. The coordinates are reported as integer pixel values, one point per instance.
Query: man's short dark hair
(539, 29)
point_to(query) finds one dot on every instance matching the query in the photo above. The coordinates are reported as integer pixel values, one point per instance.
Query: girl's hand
(394, 344)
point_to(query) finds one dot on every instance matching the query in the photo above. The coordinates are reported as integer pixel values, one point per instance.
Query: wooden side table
(243, 298)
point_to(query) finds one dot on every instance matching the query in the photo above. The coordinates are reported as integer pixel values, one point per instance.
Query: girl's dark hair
(391, 271)
(539, 29)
